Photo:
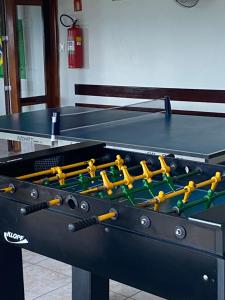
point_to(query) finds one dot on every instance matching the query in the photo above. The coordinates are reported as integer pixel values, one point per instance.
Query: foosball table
(152, 222)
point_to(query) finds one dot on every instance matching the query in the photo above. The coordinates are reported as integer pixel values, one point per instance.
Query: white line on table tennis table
(111, 122)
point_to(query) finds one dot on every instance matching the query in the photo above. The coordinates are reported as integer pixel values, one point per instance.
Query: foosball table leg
(88, 286)
(11, 283)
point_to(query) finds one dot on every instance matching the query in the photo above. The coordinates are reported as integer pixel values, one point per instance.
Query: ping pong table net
(116, 117)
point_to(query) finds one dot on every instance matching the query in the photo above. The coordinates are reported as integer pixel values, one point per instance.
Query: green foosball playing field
(139, 186)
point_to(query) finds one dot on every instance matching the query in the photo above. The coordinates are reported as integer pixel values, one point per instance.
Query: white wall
(153, 43)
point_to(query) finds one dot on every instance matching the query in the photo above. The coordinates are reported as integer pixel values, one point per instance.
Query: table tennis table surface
(183, 135)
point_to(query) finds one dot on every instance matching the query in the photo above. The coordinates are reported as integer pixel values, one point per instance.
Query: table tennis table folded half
(145, 126)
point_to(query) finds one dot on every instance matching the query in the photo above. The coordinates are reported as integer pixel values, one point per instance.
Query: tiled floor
(47, 279)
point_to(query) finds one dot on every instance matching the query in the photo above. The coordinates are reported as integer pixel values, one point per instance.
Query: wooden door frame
(5, 59)
(50, 16)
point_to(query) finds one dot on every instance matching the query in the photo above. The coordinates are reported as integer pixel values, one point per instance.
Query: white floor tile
(63, 293)
(146, 296)
(122, 289)
(26, 264)
(32, 258)
(115, 296)
(56, 266)
(39, 281)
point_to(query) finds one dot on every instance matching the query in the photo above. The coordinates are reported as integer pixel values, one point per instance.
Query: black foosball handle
(73, 227)
(33, 208)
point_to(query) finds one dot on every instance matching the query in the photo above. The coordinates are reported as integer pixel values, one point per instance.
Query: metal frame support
(11, 283)
(89, 286)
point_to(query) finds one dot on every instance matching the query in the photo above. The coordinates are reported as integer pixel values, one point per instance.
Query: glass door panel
(2, 83)
(31, 57)
(2, 88)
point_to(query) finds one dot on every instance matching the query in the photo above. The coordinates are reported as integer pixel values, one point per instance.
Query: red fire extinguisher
(75, 47)
(74, 43)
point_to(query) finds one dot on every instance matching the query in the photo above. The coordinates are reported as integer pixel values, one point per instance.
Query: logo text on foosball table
(14, 238)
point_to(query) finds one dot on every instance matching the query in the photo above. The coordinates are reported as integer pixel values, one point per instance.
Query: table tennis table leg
(14, 146)
(88, 286)
(11, 268)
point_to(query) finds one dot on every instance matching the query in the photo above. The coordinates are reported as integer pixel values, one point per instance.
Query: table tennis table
(190, 137)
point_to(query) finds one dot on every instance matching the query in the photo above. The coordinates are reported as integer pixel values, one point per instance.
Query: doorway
(3, 70)
(31, 35)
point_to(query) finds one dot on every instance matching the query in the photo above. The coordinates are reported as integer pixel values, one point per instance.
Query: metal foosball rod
(54, 170)
(8, 189)
(91, 170)
(156, 184)
(83, 181)
(77, 182)
(40, 206)
(186, 191)
(79, 225)
(207, 199)
(113, 173)
(128, 179)
(129, 194)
